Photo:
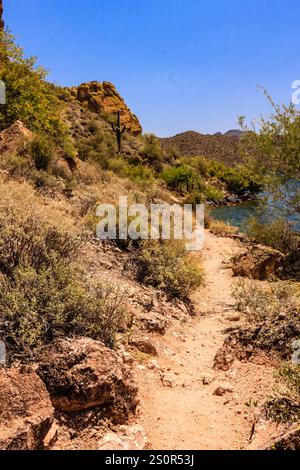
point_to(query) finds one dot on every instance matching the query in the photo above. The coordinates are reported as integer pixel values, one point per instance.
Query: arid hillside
(221, 147)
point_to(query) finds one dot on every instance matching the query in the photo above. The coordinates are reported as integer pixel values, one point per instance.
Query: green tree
(272, 148)
(29, 97)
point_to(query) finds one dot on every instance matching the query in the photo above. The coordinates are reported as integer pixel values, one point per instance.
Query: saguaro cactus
(118, 130)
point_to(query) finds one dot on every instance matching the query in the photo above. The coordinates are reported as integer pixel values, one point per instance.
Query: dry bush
(222, 229)
(277, 234)
(262, 302)
(36, 306)
(167, 266)
(33, 230)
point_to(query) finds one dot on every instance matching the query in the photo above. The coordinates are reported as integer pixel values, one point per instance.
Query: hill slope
(224, 148)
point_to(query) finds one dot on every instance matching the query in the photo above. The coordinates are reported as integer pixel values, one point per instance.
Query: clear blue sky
(180, 64)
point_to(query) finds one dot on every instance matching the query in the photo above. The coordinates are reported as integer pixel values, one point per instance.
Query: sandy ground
(177, 410)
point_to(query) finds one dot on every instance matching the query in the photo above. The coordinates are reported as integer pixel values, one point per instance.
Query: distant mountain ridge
(221, 147)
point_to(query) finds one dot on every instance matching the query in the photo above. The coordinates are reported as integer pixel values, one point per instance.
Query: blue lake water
(239, 215)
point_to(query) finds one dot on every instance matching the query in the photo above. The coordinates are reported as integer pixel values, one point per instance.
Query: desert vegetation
(95, 307)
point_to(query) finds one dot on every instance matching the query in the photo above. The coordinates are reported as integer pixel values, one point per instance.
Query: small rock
(51, 436)
(143, 344)
(234, 317)
(127, 438)
(208, 379)
(167, 381)
(223, 389)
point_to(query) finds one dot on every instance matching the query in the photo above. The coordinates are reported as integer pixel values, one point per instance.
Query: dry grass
(221, 229)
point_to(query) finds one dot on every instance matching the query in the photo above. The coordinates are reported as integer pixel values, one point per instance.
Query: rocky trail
(185, 402)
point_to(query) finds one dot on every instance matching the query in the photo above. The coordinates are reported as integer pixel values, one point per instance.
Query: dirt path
(177, 410)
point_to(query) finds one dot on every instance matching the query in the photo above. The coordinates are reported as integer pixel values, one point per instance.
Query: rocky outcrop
(103, 98)
(81, 374)
(12, 140)
(259, 262)
(26, 412)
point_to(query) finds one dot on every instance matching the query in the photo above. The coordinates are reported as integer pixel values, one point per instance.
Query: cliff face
(1, 13)
(103, 98)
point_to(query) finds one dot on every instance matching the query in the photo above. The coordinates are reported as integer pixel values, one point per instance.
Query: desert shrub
(221, 229)
(47, 183)
(291, 374)
(38, 305)
(152, 152)
(99, 147)
(213, 194)
(42, 151)
(259, 303)
(17, 164)
(183, 179)
(207, 219)
(138, 173)
(30, 232)
(195, 198)
(285, 408)
(277, 234)
(200, 164)
(117, 166)
(94, 126)
(167, 266)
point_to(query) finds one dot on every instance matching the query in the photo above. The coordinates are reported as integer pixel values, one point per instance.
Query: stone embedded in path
(223, 389)
(143, 344)
(208, 379)
(235, 317)
(127, 438)
(167, 380)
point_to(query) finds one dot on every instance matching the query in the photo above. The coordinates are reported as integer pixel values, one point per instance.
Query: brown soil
(177, 410)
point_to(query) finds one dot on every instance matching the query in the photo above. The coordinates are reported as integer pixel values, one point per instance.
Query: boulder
(81, 374)
(259, 262)
(143, 344)
(13, 139)
(26, 412)
(153, 322)
(127, 438)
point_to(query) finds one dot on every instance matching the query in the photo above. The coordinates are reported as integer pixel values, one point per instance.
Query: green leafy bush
(213, 194)
(152, 152)
(42, 151)
(183, 179)
(195, 198)
(138, 173)
(237, 179)
(29, 97)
